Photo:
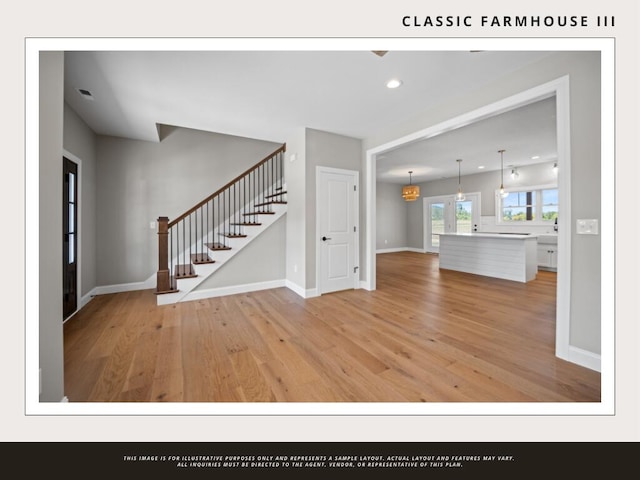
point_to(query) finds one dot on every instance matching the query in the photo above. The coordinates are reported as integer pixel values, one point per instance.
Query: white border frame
(33, 46)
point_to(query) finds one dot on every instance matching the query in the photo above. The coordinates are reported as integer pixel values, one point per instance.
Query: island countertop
(491, 235)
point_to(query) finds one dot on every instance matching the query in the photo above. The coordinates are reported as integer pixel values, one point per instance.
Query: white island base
(507, 256)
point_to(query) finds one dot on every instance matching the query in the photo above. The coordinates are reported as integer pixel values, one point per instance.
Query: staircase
(196, 244)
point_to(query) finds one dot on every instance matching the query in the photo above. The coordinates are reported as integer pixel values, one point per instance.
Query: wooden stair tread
(184, 271)
(248, 224)
(276, 194)
(217, 246)
(259, 213)
(201, 258)
(233, 235)
(272, 202)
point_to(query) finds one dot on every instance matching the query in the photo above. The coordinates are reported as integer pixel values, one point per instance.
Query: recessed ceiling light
(480, 167)
(394, 83)
(535, 157)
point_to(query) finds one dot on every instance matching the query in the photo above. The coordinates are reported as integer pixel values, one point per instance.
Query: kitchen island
(502, 255)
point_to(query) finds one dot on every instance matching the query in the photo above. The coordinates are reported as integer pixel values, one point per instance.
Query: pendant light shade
(459, 196)
(501, 191)
(410, 192)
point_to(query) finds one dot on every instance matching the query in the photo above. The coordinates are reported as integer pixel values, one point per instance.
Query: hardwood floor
(424, 335)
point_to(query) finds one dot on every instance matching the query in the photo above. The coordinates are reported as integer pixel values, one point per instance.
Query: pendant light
(459, 196)
(410, 192)
(501, 192)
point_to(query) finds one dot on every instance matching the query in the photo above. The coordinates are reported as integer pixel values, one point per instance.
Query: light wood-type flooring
(425, 335)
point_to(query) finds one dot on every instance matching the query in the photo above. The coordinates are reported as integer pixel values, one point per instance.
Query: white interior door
(337, 229)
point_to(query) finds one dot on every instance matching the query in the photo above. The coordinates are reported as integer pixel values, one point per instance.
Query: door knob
(324, 239)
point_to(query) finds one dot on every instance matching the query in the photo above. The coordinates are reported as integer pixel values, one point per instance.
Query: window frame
(538, 205)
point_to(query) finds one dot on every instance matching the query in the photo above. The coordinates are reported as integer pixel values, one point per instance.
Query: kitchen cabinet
(548, 256)
(510, 256)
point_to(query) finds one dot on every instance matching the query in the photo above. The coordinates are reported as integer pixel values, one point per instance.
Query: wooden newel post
(163, 279)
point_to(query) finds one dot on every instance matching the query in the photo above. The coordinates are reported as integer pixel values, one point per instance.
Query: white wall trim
(150, 283)
(294, 287)
(563, 288)
(205, 293)
(87, 298)
(233, 290)
(391, 250)
(585, 358)
(304, 293)
(399, 249)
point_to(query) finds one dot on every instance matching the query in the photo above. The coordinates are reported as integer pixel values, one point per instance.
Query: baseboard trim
(304, 293)
(233, 290)
(391, 250)
(126, 287)
(87, 298)
(400, 249)
(585, 358)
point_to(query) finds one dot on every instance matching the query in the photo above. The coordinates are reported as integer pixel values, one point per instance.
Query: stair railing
(206, 227)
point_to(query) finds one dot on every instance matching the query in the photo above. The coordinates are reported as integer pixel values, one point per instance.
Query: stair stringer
(221, 257)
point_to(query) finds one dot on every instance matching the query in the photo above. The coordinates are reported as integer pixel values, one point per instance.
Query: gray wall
(262, 260)
(80, 141)
(140, 181)
(50, 226)
(583, 69)
(391, 211)
(327, 150)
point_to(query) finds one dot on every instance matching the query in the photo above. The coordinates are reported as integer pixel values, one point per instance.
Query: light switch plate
(587, 226)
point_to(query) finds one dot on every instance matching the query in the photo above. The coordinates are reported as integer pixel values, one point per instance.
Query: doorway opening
(558, 88)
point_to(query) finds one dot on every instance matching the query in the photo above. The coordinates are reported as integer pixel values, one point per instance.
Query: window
(536, 205)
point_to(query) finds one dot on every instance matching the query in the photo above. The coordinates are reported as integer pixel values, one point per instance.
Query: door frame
(79, 301)
(356, 215)
(560, 89)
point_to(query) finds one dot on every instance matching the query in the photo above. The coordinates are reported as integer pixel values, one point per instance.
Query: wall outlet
(152, 225)
(587, 226)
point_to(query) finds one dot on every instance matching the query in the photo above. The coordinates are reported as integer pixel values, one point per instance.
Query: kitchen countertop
(492, 235)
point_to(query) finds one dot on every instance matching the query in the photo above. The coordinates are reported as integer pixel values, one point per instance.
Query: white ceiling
(265, 94)
(526, 134)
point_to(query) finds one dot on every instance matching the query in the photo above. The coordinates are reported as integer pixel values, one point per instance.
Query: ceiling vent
(86, 94)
